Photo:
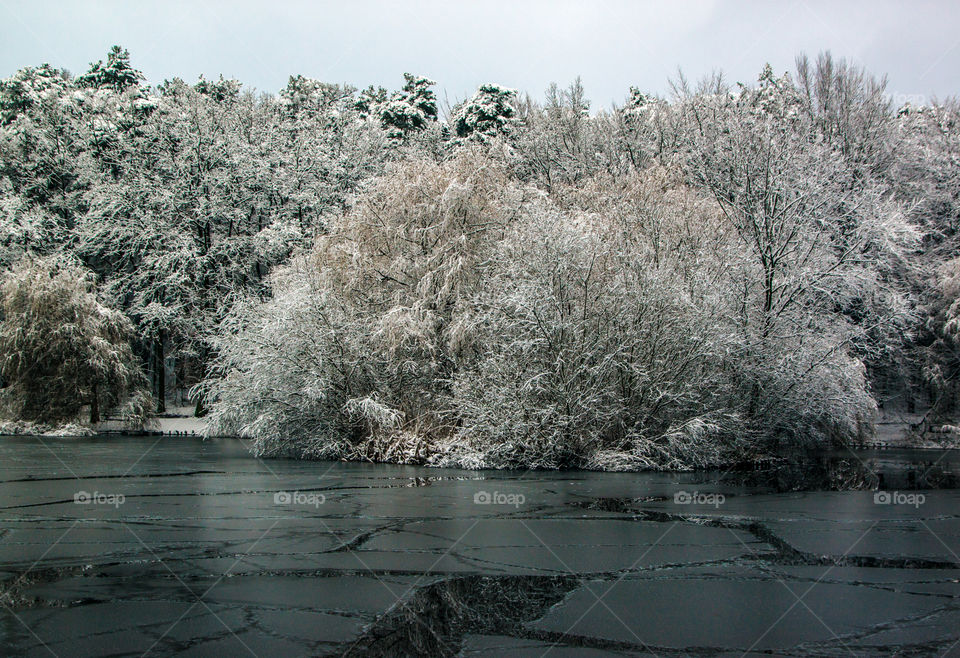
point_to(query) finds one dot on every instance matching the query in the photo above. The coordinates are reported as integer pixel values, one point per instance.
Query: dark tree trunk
(754, 401)
(181, 377)
(201, 409)
(94, 406)
(161, 375)
(200, 370)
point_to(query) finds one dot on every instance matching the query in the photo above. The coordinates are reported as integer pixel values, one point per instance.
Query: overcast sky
(524, 44)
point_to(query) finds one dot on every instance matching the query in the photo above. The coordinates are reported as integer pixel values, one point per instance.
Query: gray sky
(524, 44)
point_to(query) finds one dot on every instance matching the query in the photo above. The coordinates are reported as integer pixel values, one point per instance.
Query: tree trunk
(200, 365)
(181, 377)
(161, 375)
(201, 410)
(754, 401)
(94, 406)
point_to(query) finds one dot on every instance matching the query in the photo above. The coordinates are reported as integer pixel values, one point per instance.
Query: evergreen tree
(411, 109)
(490, 112)
(116, 73)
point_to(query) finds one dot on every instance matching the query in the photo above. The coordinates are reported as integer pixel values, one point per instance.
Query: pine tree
(116, 74)
(490, 112)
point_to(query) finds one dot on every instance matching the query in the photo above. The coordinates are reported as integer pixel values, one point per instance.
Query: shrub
(456, 317)
(61, 348)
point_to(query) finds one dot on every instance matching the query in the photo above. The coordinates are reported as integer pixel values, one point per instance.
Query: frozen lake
(134, 545)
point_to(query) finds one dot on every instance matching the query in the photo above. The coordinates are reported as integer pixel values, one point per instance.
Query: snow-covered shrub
(594, 341)
(352, 356)
(275, 379)
(455, 317)
(61, 348)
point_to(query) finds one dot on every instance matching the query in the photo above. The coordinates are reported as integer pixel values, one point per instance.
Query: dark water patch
(15, 588)
(848, 470)
(618, 505)
(426, 481)
(435, 619)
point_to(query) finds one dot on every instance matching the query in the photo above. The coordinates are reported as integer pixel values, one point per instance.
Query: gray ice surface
(197, 548)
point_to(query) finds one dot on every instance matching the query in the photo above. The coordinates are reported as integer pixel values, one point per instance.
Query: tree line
(340, 273)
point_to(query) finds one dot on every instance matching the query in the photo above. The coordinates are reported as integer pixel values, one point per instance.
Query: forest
(705, 278)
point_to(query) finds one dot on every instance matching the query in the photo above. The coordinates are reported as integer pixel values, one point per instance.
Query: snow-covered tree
(849, 109)
(557, 142)
(926, 175)
(220, 90)
(598, 337)
(768, 232)
(116, 73)
(62, 348)
(375, 308)
(370, 100)
(41, 142)
(411, 109)
(26, 89)
(491, 112)
(815, 237)
(203, 190)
